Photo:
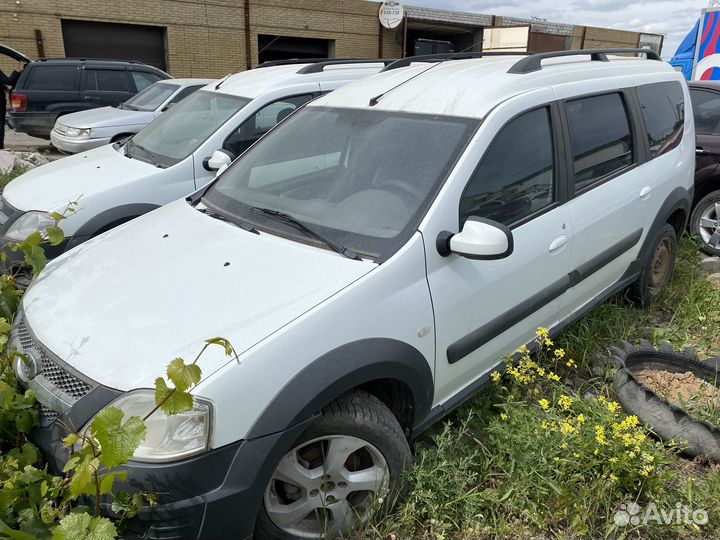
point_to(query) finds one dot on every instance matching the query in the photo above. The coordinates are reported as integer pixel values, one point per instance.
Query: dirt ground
(680, 388)
(19, 142)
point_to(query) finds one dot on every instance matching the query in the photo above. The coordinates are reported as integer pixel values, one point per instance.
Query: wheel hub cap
(326, 487)
(709, 228)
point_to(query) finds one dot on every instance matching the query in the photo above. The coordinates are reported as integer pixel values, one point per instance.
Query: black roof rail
(439, 57)
(290, 61)
(533, 63)
(89, 59)
(319, 67)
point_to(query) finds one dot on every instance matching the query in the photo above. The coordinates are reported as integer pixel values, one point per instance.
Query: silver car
(84, 130)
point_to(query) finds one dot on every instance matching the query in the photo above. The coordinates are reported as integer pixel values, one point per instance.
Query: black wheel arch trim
(341, 370)
(118, 215)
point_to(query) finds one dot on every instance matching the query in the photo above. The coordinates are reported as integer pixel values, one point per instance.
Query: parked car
(49, 88)
(373, 258)
(705, 218)
(174, 155)
(84, 130)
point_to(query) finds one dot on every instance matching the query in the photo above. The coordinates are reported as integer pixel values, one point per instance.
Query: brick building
(215, 37)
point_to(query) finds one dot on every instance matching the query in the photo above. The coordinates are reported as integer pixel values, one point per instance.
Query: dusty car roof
(188, 81)
(472, 87)
(256, 82)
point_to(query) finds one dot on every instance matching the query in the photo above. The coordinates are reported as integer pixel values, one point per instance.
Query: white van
(171, 156)
(372, 258)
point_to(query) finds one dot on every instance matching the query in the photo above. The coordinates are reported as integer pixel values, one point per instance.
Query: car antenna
(375, 100)
(218, 85)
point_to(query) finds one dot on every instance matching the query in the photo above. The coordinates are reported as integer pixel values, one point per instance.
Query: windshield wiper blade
(148, 154)
(294, 222)
(243, 225)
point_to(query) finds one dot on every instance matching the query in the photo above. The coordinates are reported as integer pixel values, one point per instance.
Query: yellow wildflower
(647, 457)
(565, 402)
(553, 377)
(544, 404)
(495, 376)
(549, 342)
(523, 350)
(612, 478)
(556, 458)
(576, 455)
(646, 470)
(542, 332)
(580, 419)
(613, 460)
(571, 363)
(559, 353)
(503, 417)
(613, 406)
(600, 435)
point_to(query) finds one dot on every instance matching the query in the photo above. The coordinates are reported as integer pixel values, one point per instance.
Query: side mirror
(480, 239)
(219, 161)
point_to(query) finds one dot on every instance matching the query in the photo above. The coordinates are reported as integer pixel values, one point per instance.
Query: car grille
(47, 415)
(60, 378)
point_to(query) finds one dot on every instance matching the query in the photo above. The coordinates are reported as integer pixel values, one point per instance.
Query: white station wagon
(372, 258)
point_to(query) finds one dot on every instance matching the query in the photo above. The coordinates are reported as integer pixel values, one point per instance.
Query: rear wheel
(705, 223)
(344, 469)
(657, 267)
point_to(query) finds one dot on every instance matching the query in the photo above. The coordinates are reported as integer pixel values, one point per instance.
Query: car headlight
(80, 133)
(168, 438)
(29, 223)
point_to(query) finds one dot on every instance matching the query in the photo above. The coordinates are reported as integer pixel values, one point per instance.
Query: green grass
(478, 475)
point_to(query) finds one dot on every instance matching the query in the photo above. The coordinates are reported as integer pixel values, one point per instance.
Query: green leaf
(34, 240)
(55, 235)
(222, 342)
(35, 257)
(183, 376)
(83, 475)
(83, 527)
(71, 440)
(118, 440)
(173, 401)
(24, 421)
(57, 217)
(107, 481)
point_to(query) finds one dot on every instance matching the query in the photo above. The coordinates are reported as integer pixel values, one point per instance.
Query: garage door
(88, 39)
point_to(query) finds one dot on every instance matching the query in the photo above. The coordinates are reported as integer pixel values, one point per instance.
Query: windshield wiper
(150, 156)
(294, 222)
(243, 225)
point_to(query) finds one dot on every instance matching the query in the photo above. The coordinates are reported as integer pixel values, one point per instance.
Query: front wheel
(705, 223)
(657, 267)
(342, 470)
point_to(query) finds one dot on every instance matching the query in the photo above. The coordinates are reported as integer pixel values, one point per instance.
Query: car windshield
(177, 133)
(361, 178)
(151, 98)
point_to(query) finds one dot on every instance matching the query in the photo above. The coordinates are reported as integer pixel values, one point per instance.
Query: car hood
(106, 117)
(54, 185)
(120, 307)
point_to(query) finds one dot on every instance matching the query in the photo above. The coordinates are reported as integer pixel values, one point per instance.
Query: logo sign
(391, 13)
(707, 54)
(28, 368)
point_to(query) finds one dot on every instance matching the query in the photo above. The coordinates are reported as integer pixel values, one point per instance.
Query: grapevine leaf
(70, 440)
(83, 527)
(118, 440)
(173, 401)
(183, 376)
(55, 235)
(35, 257)
(83, 475)
(106, 482)
(222, 342)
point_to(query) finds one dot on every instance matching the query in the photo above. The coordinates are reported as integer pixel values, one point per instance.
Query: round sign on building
(391, 14)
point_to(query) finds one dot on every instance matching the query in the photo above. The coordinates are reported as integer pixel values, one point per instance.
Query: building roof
(471, 88)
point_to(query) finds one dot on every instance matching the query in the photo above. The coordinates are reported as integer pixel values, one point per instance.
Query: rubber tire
(711, 198)
(361, 415)
(640, 291)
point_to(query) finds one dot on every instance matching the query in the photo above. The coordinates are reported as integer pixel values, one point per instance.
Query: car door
(706, 112)
(105, 86)
(485, 309)
(611, 196)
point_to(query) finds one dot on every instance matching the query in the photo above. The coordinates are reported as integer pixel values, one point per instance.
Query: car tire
(705, 223)
(358, 432)
(657, 267)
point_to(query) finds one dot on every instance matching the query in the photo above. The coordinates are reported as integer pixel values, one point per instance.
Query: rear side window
(601, 138)
(706, 111)
(45, 77)
(143, 79)
(516, 176)
(106, 80)
(663, 109)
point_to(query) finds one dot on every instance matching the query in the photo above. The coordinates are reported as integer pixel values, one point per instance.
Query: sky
(673, 18)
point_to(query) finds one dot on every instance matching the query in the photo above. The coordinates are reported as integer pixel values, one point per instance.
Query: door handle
(699, 150)
(645, 193)
(91, 98)
(559, 242)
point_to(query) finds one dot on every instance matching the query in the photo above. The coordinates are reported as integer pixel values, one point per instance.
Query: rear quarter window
(48, 77)
(663, 110)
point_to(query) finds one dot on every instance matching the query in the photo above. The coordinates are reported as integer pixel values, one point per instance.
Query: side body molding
(339, 371)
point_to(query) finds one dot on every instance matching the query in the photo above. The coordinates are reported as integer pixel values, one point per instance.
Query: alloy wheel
(709, 227)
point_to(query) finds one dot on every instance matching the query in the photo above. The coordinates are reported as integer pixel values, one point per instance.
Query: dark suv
(50, 88)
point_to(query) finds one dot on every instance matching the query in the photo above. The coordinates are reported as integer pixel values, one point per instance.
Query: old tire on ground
(345, 467)
(705, 223)
(668, 421)
(657, 267)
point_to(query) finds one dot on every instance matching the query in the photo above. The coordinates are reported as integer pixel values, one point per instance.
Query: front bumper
(73, 145)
